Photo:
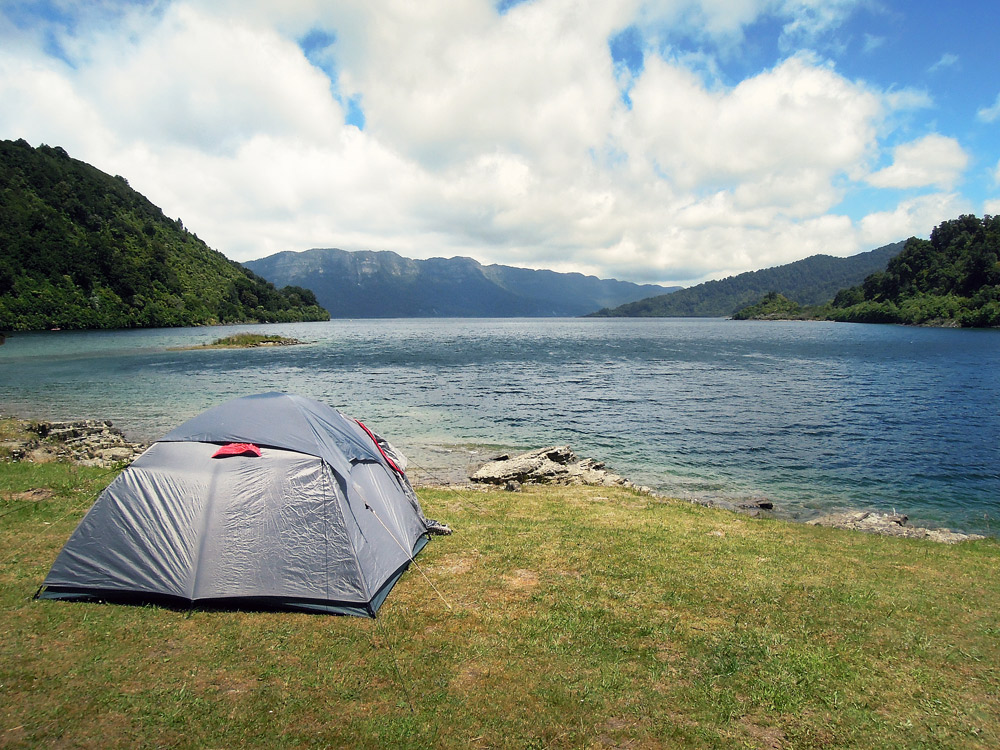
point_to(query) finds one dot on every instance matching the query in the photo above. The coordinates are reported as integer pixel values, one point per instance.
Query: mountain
(81, 249)
(382, 284)
(952, 279)
(810, 281)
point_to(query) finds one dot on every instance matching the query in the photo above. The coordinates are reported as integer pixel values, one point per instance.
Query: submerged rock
(749, 507)
(889, 524)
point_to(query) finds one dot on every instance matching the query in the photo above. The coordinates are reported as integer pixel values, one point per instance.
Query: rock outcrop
(90, 442)
(889, 524)
(552, 465)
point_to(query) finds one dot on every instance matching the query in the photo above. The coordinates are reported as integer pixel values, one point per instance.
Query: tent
(271, 501)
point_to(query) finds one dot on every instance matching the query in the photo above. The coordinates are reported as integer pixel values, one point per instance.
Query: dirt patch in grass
(764, 737)
(458, 564)
(521, 579)
(34, 495)
(470, 676)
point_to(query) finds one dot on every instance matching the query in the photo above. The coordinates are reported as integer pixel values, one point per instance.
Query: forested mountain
(368, 284)
(951, 279)
(81, 249)
(811, 281)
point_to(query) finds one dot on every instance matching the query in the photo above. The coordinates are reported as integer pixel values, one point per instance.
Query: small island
(773, 306)
(244, 341)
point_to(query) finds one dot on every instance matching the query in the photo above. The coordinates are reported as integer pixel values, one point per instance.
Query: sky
(670, 141)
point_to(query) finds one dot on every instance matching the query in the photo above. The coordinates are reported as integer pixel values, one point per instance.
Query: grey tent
(322, 520)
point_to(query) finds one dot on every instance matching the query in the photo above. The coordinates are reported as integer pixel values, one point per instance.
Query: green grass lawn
(567, 617)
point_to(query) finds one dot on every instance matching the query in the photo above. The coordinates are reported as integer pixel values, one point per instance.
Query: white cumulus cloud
(932, 160)
(501, 136)
(913, 217)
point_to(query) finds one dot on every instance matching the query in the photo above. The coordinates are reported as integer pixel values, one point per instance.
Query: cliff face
(384, 284)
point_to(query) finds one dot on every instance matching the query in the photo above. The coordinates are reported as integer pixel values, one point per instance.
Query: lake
(814, 416)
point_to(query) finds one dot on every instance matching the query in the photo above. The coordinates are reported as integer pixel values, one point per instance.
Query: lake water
(814, 416)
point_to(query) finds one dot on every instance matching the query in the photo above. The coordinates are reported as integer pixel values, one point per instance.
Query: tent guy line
(412, 559)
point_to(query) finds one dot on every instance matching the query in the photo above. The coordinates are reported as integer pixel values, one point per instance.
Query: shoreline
(93, 442)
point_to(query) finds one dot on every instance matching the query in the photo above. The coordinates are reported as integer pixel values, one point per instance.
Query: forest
(951, 279)
(81, 249)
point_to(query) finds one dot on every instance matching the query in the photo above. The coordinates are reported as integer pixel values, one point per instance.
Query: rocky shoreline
(89, 442)
(93, 442)
(559, 465)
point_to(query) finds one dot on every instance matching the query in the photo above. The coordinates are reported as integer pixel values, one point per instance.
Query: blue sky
(672, 141)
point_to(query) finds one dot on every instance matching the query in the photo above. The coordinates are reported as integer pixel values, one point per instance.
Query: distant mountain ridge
(384, 284)
(811, 281)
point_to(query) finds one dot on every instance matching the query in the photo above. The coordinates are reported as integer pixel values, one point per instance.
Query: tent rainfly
(271, 501)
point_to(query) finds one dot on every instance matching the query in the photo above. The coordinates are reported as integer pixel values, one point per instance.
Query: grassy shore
(567, 617)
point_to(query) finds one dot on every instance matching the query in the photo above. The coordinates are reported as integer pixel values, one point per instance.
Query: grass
(570, 617)
(12, 431)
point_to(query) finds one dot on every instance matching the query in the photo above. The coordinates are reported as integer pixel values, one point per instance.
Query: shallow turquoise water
(815, 416)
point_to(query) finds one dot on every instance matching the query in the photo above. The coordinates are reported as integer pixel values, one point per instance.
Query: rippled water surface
(815, 416)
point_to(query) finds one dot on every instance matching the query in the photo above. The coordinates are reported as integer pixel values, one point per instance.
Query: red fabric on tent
(237, 449)
(384, 455)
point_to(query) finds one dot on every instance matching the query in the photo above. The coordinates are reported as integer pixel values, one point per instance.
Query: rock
(88, 442)
(748, 507)
(437, 528)
(889, 524)
(553, 465)
(512, 486)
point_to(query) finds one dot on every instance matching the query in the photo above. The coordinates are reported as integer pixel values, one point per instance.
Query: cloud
(209, 83)
(947, 60)
(990, 114)
(798, 118)
(872, 43)
(932, 160)
(724, 22)
(809, 18)
(914, 217)
(501, 136)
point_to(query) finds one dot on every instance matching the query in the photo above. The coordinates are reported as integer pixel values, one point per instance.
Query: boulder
(553, 465)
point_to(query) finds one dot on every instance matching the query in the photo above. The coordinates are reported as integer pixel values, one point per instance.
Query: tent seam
(354, 550)
(203, 536)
